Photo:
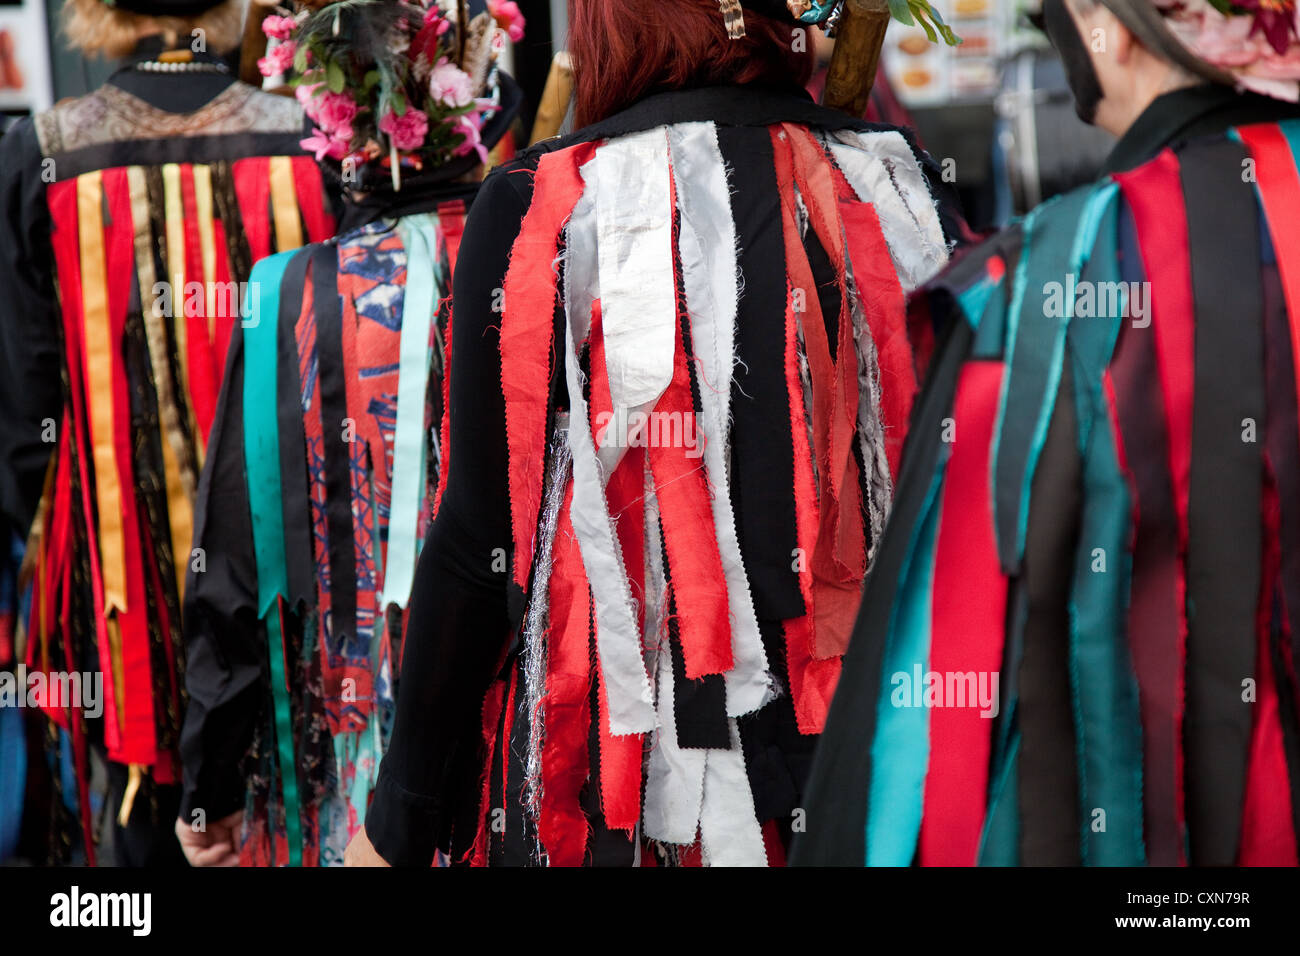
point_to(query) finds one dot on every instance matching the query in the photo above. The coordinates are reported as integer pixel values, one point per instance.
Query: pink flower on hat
(279, 28)
(335, 112)
(305, 94)
(435, 15)
(325, 145)
(279, 60)
(508, 16)
(406, 131)
(469, 128)
(450, 84)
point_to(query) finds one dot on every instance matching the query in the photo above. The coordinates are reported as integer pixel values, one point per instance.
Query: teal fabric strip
(900, 752)
(1046, 280)
(1103, 682)
(975, 298)
(423, 279)
(1000, 842)
(262, 428)
(262, 470)
(1291, 130)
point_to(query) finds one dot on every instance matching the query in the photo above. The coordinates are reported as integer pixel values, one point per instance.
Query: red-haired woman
(679, 385)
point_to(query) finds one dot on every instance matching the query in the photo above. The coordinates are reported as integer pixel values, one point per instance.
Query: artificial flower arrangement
(1258, 41)
(394, 82)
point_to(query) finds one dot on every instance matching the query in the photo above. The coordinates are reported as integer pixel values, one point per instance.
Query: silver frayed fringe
(533, 704)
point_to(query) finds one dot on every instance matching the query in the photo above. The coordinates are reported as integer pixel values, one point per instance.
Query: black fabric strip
(777, 756)
(294, 486)
(152, 530)
(338, 457)
(762, 492)
(1048, 785)
(1224, 553)
(496, 810)
(841, 773)
(177, 149)
(1154, 615)
(226, 203)
(521, 833)
(699, 706)
(828, 288)
(1284, 457)
(162, 272)
(605, 847)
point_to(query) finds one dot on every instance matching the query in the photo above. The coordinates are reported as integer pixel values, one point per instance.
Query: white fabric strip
(730, 834)
(618, 635)
(635, 244)
(710, 272)
(674, 777)
(909, 218)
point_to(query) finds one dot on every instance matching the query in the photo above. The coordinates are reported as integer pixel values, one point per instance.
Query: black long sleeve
(30, 347)
(224, 643)
(459, 621)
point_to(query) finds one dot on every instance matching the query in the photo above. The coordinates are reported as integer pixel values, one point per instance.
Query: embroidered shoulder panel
(111, 115)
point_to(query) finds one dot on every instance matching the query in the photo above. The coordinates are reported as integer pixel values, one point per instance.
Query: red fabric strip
(812, 682)
(883, 302)
(451, 217)
(967, 626)
(690, 539)
(507, 731)
(773, 844)
(64, 240)
(561, 823)
(811, 685)
(492, 704)
(311, 199)
(225, 318)
(839, 557)
(1268, 835)
(620, 768)
(139, 740)
(253, 190)
(58, 547)
(203, 375)
(526, 338)
(1154, 193)
(1278, 183)
(444, 435)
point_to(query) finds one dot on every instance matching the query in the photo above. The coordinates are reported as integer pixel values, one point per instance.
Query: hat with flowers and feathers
(399, 87)
(1250, 44)
(828, 12)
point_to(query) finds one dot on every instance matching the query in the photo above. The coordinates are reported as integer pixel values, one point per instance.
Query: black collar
(723, 105)
(173, 92)
(1188, 113)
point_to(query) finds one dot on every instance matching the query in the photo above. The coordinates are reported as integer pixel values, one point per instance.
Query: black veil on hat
(1144, 19)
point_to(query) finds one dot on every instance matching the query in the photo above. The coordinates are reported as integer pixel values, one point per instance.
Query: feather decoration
(734, 18)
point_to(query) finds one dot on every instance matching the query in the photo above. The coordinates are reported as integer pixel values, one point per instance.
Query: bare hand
(361, 852)
(214, 845)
